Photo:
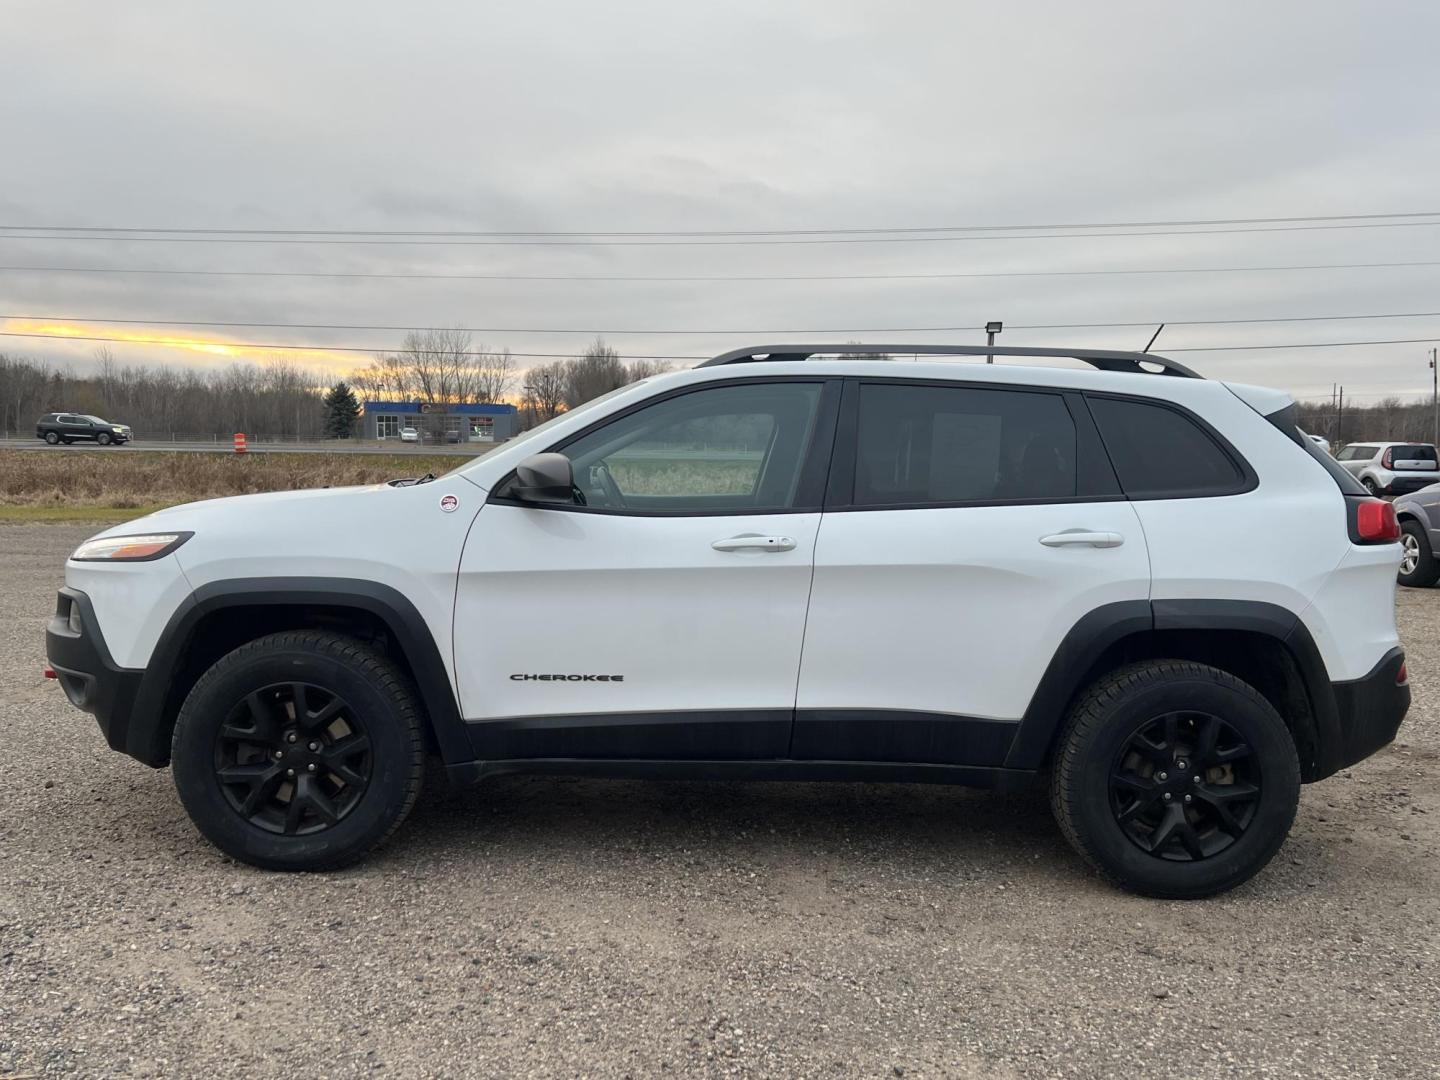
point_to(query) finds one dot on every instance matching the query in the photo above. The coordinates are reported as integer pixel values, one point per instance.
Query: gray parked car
(1419, 514)
(1391, 468)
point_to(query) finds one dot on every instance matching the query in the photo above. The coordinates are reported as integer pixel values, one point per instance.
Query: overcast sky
(736, 115)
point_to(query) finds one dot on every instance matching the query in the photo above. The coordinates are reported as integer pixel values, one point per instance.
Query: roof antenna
(1152, 338)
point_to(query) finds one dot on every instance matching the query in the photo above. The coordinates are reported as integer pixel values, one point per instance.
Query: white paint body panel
(946, 610)
(957, 610)
(132, 603)
(398, 537)
(689, 627)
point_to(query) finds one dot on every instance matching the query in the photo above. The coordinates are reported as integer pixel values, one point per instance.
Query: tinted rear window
(1159, 452)
(937, 446)
(1413, 453)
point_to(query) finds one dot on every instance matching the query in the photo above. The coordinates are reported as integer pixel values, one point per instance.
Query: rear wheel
(52, 437)
(1418, 566)
(1175, 779)
(1370, 485)
(299, 751)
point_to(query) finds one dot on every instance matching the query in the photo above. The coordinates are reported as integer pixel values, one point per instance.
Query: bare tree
(492, 376)
(643, 369)
(596, 371)
(545, 389)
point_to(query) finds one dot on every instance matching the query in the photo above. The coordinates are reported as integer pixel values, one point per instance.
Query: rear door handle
(752, 542)
(1083, 536)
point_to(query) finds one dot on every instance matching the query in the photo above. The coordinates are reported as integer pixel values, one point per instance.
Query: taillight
(1387, 460)
(1403, 675)
(1373, 521)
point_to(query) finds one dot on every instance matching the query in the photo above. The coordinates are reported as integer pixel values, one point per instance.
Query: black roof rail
(1104, 359)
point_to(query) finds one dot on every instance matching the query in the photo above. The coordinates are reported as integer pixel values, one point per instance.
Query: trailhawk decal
(567, 678)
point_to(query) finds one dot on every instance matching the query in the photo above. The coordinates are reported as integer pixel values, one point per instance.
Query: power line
(720, 332)
(656, 233)
(430, 242)
(710, 278)
(253, 345)
(372, 349)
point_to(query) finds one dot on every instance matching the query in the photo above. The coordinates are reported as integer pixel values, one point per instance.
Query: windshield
(544, 429)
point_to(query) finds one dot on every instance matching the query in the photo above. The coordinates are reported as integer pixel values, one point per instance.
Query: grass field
(110, 485)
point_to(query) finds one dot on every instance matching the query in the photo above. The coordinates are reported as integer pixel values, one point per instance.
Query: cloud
(742, 114)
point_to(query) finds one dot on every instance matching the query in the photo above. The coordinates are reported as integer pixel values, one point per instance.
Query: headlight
(117, 429)
(130, 548)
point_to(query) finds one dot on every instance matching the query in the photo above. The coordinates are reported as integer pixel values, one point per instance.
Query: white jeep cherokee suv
(788, 563)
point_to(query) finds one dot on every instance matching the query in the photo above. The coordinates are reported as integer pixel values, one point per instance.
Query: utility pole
(1340, 420)
(1435, 393)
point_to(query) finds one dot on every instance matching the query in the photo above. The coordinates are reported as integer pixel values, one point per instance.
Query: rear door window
(1160, 452)
(923, 445)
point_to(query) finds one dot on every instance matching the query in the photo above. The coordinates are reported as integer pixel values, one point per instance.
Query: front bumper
(1370, 710)
(83, 667)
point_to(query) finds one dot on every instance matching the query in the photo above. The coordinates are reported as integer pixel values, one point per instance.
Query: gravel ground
(556, 927)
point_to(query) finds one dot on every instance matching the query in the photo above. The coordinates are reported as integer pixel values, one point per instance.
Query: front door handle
(753, 542)
(1083, 536)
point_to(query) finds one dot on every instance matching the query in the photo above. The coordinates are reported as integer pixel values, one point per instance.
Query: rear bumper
(1370, 710)
(90, 678)
(1405, 485)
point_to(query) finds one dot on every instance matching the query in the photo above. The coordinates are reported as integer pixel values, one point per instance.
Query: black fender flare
(147, 738)
(1070, 669)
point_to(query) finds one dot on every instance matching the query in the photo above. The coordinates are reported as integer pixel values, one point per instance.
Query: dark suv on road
(67, 427)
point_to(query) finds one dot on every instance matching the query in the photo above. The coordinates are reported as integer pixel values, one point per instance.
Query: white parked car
(409, 434)
(1391, 468)
(787, 563)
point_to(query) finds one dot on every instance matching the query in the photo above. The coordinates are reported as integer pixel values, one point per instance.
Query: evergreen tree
(342, 411)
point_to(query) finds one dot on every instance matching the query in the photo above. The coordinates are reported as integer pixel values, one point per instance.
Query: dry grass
(96, 485)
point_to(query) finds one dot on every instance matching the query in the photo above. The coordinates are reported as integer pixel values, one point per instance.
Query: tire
(103, 438)
(284, 815)
(52, 437)
(1370, 485)
(1168, 847)
(1425, 570)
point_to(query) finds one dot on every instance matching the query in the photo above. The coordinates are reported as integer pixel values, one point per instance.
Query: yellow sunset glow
(168, 339)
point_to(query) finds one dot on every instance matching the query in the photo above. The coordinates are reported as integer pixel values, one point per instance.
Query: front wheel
(1175, 779)
(103, 438)
(1418, 566)
(299, 751)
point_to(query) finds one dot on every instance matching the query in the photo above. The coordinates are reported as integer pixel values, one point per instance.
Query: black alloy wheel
(1174, 778)
(293, 758)
(1185, 786)
(300, 750)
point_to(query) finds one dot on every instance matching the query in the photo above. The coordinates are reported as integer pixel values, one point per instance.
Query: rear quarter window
(1161, 452)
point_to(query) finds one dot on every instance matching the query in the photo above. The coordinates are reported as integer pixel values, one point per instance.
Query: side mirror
(545, 478)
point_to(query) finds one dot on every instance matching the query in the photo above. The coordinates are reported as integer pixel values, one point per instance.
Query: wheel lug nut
(291, 772)
(1168, 796)
(314, 746)
(1181, 764)
(1162, 776)
(279, 754)
(1195, 778)
(311, 767)
(293, 736)
(1189, 798)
